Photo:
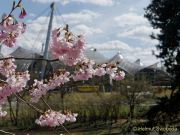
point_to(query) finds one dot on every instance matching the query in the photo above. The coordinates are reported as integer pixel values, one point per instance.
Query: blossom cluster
(53, 118)
(13, 84)
(70, 52)
(40, 88)
(7, 67)
(119, 76)
(15, 81)
(10, 30)
(100, 70)
(113, 72)
(84, 70)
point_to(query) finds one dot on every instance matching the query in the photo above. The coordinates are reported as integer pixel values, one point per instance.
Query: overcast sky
(111, 26)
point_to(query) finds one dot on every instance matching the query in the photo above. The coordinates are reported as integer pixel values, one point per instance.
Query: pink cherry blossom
(9, 31)
(85, 71)
(111, 71)
(40, 88)
(100, 70)
(119, 76)
(69, 52)
(52, 118)
(71, 117)
(14, 84)
(82, 75)
(7, 67)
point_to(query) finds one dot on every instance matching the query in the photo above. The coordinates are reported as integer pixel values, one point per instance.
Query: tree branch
(29, 104)
(5, 132)
(65, 128)
(12, 10)
(46, 103)
(16, 58)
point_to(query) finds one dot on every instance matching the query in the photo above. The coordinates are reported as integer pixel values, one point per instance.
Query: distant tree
(165, 15)
(134, 93)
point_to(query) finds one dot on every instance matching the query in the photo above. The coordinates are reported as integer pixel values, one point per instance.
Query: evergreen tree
(165, 16)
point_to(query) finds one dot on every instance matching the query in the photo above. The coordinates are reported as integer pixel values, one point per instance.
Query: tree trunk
(62, 100)
(17, 111)
(12, 116)
(131, 112)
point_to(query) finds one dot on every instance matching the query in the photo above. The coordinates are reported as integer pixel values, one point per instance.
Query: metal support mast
(45, 55)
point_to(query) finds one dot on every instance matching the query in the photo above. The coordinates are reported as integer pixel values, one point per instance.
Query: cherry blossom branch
(7, 132)
(64, 128)
(29, 104)
(12, 10)
(42, 98)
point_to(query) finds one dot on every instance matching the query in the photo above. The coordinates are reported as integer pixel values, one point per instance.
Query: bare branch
(29, 104)
(12, 10)
(65, 128)
(5, 132)
(46, 103)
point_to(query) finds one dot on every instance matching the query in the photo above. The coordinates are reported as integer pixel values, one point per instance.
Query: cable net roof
(124, 64)
(91, 53)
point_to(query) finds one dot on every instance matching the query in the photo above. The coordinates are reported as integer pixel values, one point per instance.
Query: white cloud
(140, 32)
(135, 26)
(132, 26)
(84, 16)
(144, 54)
(35, 34)
(97, 2)
(130, 19)
(80, 17)
(86, 30)
(94, 2)
(111, 45)
(49, 1)
(132, 9)
(37, 29)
